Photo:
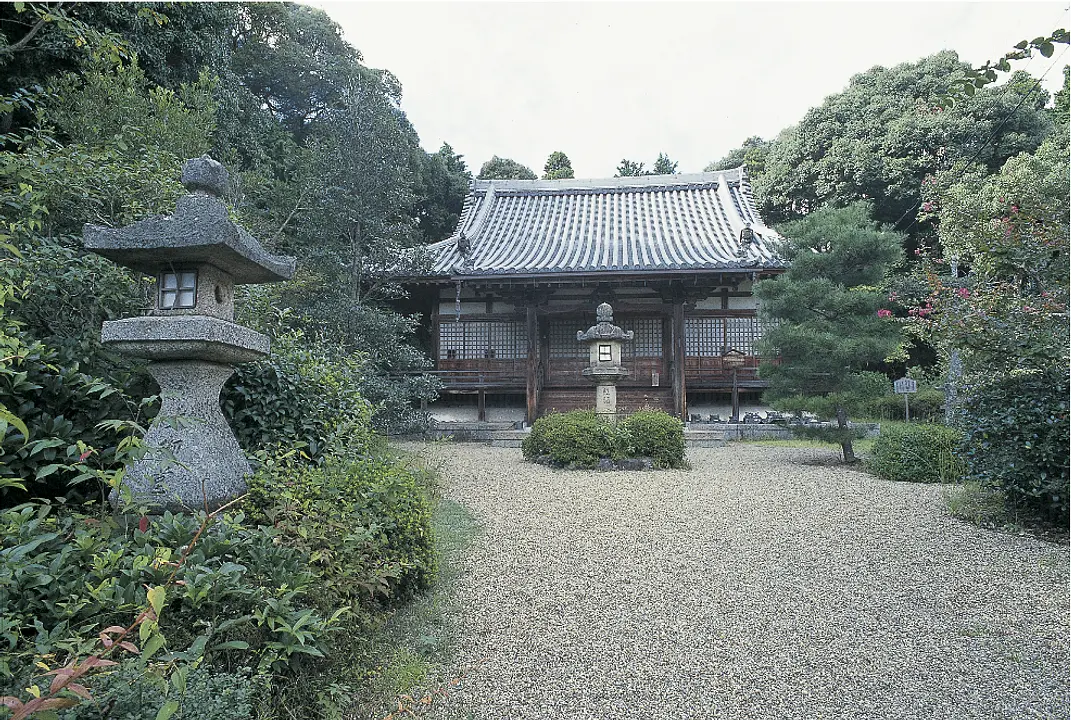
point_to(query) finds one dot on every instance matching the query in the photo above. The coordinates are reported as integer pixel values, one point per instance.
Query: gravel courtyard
(766, 582)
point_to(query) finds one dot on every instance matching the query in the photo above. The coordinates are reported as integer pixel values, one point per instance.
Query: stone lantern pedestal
(605, 370)
(196, 256)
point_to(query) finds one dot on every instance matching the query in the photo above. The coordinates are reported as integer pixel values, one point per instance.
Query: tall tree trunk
(846, 442)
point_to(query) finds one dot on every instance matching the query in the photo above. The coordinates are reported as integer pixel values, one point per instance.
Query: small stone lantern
(604, 340)
(196, 257)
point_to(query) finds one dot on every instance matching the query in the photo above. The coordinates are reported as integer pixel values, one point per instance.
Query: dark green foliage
(827, 304)
(881, 136)
(1018, 439)
(581, 439)
(577, 438)
(300, 397)
(664, 166)
(917, 452)
(656, 435)
(927, 405)
(365, 522)
(65, 576)
(442, 187)
(558, 167)
(630, 168)
(209, 695)
(751, 154)
(498, 168)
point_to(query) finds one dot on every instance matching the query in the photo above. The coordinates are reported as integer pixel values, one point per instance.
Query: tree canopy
(557, 167)
(826, 306)
(498, 168)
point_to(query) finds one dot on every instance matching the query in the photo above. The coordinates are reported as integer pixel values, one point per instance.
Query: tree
(442, 186)
(629, 168)
(498, 168)
(1006, 319)
(886, 132)
(751, 154)
(826, 305)
(664, 166)
(558, 167)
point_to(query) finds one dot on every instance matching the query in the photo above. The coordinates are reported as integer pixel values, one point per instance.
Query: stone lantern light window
(605, 354)
(178, 290)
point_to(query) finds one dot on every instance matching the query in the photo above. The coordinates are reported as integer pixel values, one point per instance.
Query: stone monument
(604, 340)
(196, 257)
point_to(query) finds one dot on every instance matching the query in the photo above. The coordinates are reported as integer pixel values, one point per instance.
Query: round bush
(577, 438)
(918, 453)
(656, 435)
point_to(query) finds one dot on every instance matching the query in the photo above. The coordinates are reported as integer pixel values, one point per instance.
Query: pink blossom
(884, 313)
(963, 292)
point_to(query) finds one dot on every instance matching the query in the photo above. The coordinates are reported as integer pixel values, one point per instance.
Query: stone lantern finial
(604, 313)
(205, 175)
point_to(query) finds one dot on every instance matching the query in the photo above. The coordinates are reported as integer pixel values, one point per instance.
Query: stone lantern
(196, 257)
(604, 340)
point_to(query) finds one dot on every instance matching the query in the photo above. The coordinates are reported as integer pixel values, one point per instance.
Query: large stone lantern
(605, 370)
(196, 257)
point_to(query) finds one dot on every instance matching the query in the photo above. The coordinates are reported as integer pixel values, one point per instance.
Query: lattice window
(648, 340)
(704, 336)
(482, 340)
(563, 342)
(742, 333)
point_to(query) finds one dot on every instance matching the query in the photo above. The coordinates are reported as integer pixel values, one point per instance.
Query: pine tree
(558, 167)
(828, 306)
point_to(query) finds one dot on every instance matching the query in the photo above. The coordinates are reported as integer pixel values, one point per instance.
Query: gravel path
(760, 584)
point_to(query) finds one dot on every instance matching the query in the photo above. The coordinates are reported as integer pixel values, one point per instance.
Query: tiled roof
(650, 223)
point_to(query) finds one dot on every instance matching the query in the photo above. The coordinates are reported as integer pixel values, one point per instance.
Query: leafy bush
(578, 438)
(364, 522)
(656, 435)
(299, 397)
(581, 439)
(236, 594)
(1017, 439)
(928, 405)
(918, 453)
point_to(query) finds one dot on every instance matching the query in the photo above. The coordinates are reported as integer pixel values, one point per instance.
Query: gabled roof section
(651, 223)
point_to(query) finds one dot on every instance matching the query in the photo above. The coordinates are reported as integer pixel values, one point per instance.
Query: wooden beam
(680, 391)
(532, 367)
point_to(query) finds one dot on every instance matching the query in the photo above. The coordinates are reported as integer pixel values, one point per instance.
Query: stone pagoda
(604, 340)
(196, 257)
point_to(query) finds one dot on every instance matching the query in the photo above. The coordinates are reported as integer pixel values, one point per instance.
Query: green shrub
(239, 597)
(365, 522)
(300, 396)
(656, 435)
(917, 452)
(578, 438)
(927, 405)
(1018, 437)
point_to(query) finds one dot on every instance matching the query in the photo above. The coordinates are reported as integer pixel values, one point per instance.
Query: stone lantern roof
(200, 231)
(604, 328)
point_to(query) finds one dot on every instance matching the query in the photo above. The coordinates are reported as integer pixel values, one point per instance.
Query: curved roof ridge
(637, 181)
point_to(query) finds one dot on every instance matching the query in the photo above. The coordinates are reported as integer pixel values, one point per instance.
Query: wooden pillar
(532, 366)
(680, 391)
(481, 405)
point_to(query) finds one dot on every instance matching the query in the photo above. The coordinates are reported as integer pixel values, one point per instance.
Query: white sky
(603, 81)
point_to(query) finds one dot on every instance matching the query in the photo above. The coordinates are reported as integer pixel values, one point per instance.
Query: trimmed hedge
(582, 439)
(655, 435)
(918, 453)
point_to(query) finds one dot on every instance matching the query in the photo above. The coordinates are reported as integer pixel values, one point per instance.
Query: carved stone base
(208, 467)
(606, 401)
